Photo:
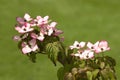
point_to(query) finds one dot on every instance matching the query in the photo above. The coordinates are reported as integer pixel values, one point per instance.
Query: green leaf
(108, 74)
(52, 51)
(95, 73)
(112, 75)
(89, 75)
(104, 74)
(60, 73)
(110, 61)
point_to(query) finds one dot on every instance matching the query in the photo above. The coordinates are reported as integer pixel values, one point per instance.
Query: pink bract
(102, 46)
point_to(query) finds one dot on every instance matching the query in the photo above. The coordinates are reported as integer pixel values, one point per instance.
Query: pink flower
(39, 37)
(102, 46)
(24, 29)
(86, 54)
(39, 21)
(77, 45)
(51, 28)
(32, 47)
(92, 46)
(57, 32)
(34, 35)
(24, 20)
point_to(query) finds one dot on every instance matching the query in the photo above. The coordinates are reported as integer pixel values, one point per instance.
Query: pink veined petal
(28, 29)
(50, 31)
(98, 50)
(91, 54)
(82, 44)
(41, 37)
(89, 45)
(26, 49)
(27, 25)
(96, 47)
(19, 29)
(97, 43)
(84, 54)
(103, 44)
(35, 48)
(71, 47)
(23, 29)
(105, 48)
(20, 20)
(33, 35)
(32, 42)
(38, 17)
(46, 18)
(33, 23)
(27, 17)
(53, 24)
(75, 45)
(23, 44)
(108, 48)
(58, 32)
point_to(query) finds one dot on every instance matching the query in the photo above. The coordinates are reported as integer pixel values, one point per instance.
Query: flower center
(102, 49)
(25, 20)
(77, 45)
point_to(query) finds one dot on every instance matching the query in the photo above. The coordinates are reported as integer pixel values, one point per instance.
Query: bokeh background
(82, 20)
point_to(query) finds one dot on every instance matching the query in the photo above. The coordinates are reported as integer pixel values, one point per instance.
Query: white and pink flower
(102, 46)
(57, 32)
(51, 28)
(24, 20)
(77, 45)
(85, 54)
(39, 21)
(23, 28)
(39, 37)
(31, 47)
(92, 46)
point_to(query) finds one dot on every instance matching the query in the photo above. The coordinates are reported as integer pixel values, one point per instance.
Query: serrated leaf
(52, 51)
(110, 61)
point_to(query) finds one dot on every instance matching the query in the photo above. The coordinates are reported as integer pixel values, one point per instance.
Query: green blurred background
(88, 20)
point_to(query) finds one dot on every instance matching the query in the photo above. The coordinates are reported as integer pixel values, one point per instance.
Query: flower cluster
(32, 30)
(87, 50)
